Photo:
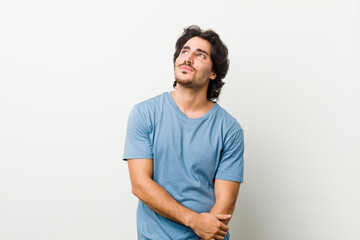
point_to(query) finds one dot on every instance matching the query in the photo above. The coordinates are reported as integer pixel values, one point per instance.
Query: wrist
(190, 219)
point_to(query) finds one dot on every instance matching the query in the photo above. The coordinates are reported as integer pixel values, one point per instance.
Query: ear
(212, 75)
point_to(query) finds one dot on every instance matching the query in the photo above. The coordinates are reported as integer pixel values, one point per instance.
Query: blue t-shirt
(188, 154)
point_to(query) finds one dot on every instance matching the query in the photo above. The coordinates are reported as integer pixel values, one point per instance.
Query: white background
(70, 71)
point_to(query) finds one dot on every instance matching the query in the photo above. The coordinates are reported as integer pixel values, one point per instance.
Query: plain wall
(70, 71)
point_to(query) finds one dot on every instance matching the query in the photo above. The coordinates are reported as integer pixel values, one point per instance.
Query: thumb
(222, 216)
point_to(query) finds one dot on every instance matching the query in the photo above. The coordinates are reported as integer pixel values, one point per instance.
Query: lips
(187, 68)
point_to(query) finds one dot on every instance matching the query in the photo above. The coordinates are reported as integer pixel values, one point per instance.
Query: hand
(208, 226)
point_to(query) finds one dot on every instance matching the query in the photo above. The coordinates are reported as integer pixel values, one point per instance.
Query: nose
(187, 63)
(189, 59)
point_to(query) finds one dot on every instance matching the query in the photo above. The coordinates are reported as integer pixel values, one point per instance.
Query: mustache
(187, 65)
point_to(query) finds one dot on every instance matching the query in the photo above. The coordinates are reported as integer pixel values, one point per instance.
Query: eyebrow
(198, 50)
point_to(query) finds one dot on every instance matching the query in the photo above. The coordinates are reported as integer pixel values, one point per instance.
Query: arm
(226, 193)
(231, 166)
(205, 225)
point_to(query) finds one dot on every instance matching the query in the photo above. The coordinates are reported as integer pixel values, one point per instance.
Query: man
(185, 152)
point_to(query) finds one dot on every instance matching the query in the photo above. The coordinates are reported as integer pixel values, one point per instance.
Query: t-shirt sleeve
(137, 141)
(231, 166)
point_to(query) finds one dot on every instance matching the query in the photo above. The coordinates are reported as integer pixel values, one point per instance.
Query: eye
(184, 52)
(201, 55)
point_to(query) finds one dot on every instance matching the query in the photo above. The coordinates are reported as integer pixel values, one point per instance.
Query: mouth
(186, 68)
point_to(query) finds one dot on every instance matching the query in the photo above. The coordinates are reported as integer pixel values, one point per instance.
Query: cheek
(178, 60)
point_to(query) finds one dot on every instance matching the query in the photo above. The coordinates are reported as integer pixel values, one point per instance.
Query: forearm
(160, 201)
(223, 208)
(226, 193)
(205, 225)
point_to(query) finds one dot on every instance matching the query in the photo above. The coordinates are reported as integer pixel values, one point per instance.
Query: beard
(187, 81)
(184, 81)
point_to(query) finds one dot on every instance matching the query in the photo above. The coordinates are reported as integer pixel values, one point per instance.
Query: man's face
(193, 66)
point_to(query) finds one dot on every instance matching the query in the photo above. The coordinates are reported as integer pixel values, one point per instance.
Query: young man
(185, 152)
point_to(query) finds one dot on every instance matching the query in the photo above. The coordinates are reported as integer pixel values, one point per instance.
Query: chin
(185, 84)
(182, 78)
(183, 81)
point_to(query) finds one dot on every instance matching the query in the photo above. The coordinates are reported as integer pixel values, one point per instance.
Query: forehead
(198, 43)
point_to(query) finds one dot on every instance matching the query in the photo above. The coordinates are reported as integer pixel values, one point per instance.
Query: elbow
(232, 209)
(139, 190)
(136, 190)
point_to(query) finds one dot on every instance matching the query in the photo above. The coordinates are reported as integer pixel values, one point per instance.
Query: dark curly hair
(219, 57)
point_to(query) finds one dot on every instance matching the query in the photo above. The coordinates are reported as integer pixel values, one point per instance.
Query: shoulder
(228, 122)
(148, 110)
(152, 103)
(232, 132)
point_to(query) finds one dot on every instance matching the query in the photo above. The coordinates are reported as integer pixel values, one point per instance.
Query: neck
(192, 102)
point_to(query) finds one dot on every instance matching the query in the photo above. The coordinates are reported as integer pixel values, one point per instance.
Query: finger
(223, 227)
(219, 237)
(220, 234)
(222, 216)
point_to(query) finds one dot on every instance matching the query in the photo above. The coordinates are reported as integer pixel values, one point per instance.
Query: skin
(193, 71)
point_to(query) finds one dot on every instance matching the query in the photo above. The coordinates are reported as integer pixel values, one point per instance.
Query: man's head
(214, 51)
